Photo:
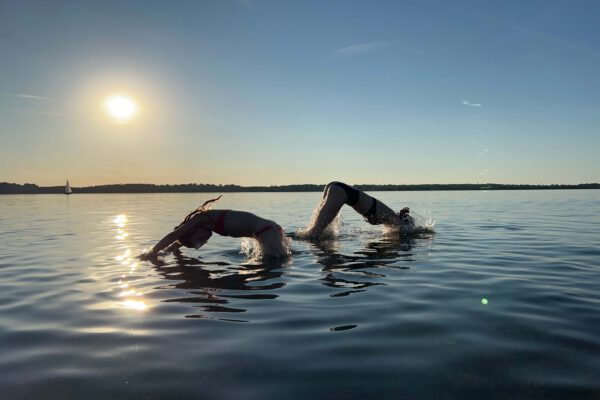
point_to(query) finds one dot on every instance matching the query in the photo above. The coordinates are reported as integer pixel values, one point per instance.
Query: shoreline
(14, 188)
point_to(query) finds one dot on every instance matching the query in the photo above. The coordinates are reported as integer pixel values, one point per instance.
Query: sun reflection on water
(124, 285)
(131, 299)
(120, 220)
(135, 305)
(124, 256)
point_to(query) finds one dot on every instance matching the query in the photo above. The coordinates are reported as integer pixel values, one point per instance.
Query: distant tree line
(29, 188)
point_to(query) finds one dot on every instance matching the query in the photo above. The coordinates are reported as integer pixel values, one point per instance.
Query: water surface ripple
(501, 302)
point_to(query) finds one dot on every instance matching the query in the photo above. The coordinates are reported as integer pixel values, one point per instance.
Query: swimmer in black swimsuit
(336, 194)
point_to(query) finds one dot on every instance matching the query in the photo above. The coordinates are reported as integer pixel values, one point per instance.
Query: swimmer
(198, 226)
(336, 194)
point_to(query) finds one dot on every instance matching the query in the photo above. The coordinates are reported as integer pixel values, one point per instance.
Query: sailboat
(68, 188)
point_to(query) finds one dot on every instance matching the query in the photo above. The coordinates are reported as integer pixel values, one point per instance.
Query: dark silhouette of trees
(29, 188)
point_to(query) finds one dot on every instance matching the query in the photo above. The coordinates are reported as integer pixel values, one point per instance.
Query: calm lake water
(501, 302)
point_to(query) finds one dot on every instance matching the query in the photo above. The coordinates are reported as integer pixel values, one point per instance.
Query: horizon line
(297, 184)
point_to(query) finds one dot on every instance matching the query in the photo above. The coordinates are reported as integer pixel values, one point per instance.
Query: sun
(120, 108)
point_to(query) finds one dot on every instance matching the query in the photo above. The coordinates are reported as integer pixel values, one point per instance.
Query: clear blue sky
(280, 92)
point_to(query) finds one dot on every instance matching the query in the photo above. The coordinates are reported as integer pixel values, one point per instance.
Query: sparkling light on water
(120, 220)
(134, 305)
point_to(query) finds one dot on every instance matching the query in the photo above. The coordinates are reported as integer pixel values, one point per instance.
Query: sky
(257, 92)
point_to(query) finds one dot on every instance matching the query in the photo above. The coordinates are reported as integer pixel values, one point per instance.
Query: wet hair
(203, 208)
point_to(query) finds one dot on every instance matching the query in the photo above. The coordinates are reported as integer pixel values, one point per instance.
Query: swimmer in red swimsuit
(336, 194)
(199, 225)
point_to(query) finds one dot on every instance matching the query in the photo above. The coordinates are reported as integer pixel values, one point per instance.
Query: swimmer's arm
(174, 247)
(152, 254)
(386, 215)
(166, 241)
(171, 238)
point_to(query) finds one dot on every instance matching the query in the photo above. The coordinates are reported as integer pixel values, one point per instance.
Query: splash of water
(332, 230)
(255, 250)
(311, 230)
(423, 223)
(251, 248)
(303, 232)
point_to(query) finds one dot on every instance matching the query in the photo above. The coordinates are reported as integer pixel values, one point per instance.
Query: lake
(500, 302)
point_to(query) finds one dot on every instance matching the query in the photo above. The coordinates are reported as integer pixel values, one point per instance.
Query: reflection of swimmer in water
(336, 194)
(199, 225)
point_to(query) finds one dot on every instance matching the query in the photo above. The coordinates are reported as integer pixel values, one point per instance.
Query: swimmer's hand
(148, 255)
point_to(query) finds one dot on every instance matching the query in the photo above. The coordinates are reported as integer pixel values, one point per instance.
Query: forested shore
(29, 188)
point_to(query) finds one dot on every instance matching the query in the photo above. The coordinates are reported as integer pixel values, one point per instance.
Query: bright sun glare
(120, 108)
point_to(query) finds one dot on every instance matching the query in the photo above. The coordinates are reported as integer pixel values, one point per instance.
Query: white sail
(68, 188)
